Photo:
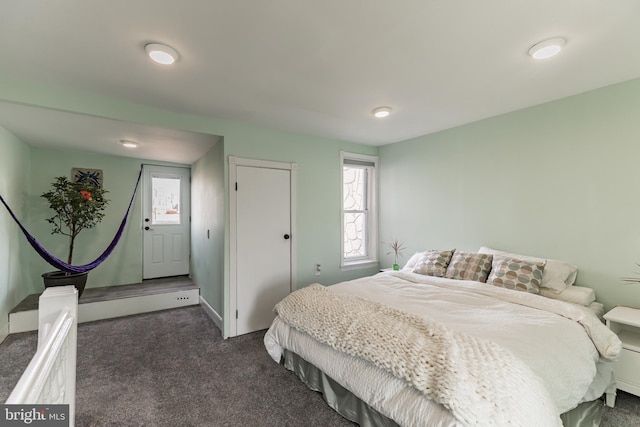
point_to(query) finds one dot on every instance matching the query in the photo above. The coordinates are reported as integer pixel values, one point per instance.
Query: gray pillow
(434, 263)
(516, 274)
(469, 266)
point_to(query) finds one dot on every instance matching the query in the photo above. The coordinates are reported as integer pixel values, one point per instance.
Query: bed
(413, 349)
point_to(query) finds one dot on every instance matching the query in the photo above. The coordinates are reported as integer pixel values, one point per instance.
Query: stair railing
(50, 377)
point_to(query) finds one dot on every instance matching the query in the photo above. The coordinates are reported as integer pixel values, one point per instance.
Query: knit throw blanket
(480, 382)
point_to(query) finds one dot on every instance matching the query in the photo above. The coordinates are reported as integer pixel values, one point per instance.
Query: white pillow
(414, 260)
(580, 295)
(557, 275)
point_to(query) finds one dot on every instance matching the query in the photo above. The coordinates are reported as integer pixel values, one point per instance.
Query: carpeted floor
(172, 368)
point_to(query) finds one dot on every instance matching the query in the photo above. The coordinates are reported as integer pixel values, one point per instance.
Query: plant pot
(396, 267)
(62, 278)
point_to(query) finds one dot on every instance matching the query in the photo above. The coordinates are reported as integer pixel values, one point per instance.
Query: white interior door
(263, 244)
(165, 221)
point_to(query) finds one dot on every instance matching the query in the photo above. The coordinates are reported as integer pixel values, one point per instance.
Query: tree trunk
(71, 239)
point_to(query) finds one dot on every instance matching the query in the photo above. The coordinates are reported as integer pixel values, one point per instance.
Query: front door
(263, 244)
(165, 221)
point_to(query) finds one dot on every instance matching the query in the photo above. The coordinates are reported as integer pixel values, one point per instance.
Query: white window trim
(372, 217)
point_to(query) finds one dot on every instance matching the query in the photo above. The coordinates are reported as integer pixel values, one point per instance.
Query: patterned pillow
(469, 266)
(516, 274)
(557, 275)
(434, 263)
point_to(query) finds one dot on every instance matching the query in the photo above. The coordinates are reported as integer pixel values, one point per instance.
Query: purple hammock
(61, 265)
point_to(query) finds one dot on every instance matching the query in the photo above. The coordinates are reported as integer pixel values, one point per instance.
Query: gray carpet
(172, 368)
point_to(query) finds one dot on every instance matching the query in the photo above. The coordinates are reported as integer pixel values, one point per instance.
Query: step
(115, 301)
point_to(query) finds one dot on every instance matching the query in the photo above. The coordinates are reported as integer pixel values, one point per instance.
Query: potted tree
(77, 206)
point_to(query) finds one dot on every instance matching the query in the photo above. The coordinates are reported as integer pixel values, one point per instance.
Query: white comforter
(559, 350)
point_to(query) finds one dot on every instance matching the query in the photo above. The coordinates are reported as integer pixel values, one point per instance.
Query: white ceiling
(319, 66)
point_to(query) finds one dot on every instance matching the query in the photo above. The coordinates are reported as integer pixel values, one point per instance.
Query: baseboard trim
(24, 321)
(211, 312)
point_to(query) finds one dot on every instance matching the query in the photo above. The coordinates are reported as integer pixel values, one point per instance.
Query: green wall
(124, 265)
(207, 212)
(15, 173)
(558, 180)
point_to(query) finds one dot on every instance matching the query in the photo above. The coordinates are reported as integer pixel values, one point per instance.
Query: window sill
(359, 265)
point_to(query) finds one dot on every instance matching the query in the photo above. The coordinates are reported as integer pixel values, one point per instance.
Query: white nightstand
(625, 321)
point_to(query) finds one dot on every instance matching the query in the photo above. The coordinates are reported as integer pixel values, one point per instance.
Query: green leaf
(73, 211)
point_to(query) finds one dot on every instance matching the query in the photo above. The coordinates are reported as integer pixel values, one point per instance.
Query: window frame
(371, 208)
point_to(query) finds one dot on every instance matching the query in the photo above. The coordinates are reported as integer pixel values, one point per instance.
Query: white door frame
(234, 162)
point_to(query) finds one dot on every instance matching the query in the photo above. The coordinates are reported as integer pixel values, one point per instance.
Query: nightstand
(625, 321)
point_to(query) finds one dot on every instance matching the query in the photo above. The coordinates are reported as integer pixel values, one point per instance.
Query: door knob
(147, 228)
(286, 236)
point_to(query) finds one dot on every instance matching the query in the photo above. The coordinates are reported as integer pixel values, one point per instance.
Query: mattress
(559, 343)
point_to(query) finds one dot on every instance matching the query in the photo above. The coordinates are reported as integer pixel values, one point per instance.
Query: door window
(165, 200)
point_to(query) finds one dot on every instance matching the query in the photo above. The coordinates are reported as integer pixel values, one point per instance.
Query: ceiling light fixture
(381, 112)
(162, 54)
(129, 143)
(547, 48)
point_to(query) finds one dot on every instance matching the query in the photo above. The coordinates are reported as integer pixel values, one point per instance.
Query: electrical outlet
(317, 270)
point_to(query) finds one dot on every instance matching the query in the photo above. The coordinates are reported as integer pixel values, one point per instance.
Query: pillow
(580, 295)
(516, 274)
(414, 260)
(469, 266)
(557, 274)
(434, 263)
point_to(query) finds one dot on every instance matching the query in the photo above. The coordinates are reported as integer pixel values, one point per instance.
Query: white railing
(50, 377)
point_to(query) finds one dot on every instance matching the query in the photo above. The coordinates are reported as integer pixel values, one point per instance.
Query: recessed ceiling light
(129, 143)
(547, 48)
(381, 112)
(162, 54)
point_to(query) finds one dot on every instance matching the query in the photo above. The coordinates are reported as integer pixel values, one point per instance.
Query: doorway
(166, 221)
(262, 241)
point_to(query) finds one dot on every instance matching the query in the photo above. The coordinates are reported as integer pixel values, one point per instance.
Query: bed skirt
(587, 414)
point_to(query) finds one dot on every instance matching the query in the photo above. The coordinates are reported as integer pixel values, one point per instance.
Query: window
(359, 225)
(165, 200)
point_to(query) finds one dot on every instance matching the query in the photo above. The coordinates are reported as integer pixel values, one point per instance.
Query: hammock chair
(61, 265)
